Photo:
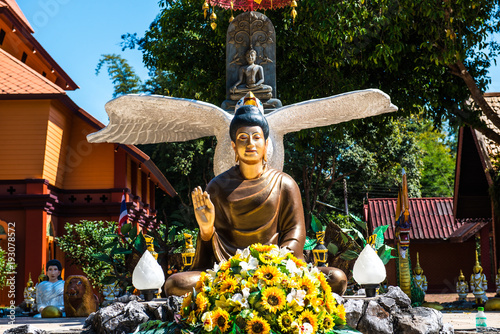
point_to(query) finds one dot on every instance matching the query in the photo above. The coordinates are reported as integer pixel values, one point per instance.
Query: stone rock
(117, 318)
(389, 304)
(402, 300)
(419, 320)
(447, 329)
(338, 298)
(375, 320)
(25, 329)
(353, 311)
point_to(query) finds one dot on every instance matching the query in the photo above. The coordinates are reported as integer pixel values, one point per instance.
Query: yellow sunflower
(202, 282)
(341, 313)
(271, 275)
(265, 258)
(225, 266)
(202, 303)
(263, 248)
(273, 299)
(324, 284)
(327, 324)
(310, 317)
(285, 321)
(186, 305)
(299, 263)
(229, 284)
(330, 304)
(220, 318)
(258, 326)
(308, 286)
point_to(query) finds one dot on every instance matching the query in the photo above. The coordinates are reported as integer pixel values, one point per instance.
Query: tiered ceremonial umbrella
(246, 5)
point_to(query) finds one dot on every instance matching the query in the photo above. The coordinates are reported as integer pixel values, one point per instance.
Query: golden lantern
(320, 252)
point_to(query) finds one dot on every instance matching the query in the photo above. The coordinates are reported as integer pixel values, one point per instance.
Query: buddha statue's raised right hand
(204, 212)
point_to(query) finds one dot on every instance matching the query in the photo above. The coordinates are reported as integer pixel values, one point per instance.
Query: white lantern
(148, 275)
(369, 270)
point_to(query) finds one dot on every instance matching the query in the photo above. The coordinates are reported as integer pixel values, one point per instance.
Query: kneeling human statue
(249, 203)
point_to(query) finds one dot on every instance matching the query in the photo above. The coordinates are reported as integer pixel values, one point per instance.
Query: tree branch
(460, 70)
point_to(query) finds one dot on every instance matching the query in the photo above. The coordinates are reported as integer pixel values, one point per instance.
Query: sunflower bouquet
(262, 289)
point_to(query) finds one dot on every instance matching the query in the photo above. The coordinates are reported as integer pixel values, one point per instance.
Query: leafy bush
(5, 267)
(82, 241)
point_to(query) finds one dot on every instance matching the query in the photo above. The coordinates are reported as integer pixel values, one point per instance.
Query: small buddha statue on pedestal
(478, 283)
(251, 79)
(419, 277)
(462, 287)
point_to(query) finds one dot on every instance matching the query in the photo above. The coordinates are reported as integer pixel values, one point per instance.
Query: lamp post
(369, 270)
(148, 276)
(320, 252)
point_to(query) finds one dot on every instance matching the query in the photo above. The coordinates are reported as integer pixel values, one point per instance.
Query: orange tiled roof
(17, 78)
(14, 7)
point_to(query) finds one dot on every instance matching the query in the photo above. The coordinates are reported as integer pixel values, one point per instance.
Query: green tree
(81, 241)
(438, 170)
(122, 75)
(430, 54)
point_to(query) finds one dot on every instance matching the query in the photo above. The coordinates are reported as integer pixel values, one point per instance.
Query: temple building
(445, 231)
(49, 173)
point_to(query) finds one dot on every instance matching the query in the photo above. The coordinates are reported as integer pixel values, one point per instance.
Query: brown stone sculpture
(79, 298)
(249, 203)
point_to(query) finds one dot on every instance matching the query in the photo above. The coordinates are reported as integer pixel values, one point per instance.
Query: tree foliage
(81, 241)
(122, 75)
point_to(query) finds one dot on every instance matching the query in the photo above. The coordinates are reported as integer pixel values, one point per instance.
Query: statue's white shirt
(50, 294)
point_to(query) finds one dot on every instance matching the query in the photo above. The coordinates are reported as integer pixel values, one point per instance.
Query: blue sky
(76, 33)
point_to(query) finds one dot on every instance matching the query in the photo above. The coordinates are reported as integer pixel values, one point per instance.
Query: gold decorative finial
(205, 9)
(293, 4)
(418, 270)
(213, 18)
(461, 277)
(477, 267)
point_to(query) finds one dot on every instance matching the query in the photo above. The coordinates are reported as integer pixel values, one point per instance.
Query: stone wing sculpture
(144, 119)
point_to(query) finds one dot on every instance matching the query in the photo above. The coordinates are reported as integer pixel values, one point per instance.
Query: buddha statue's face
(251, 57)
(53, 273)
(250, 145)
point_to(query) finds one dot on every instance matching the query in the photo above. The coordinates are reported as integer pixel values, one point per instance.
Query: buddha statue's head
(249, 132)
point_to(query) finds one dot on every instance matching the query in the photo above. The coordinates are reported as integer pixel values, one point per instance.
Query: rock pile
(392, 313)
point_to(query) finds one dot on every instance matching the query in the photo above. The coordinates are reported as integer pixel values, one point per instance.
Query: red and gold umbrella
(246, 5)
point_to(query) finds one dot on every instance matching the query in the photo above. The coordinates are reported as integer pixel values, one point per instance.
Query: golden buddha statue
(462, 287)
(478, 283)
(249, 203)
(419, 277)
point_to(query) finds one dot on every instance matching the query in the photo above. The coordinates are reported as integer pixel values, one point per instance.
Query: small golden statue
(419, 277)
(150, 246)
(42, 277)
(462, 287)
(29, 294)
(478, 283)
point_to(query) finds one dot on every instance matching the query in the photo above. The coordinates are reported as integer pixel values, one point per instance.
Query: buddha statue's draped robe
(266, 210)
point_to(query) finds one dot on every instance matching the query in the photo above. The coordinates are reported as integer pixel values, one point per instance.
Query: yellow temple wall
(23, 132)
(87, 166)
